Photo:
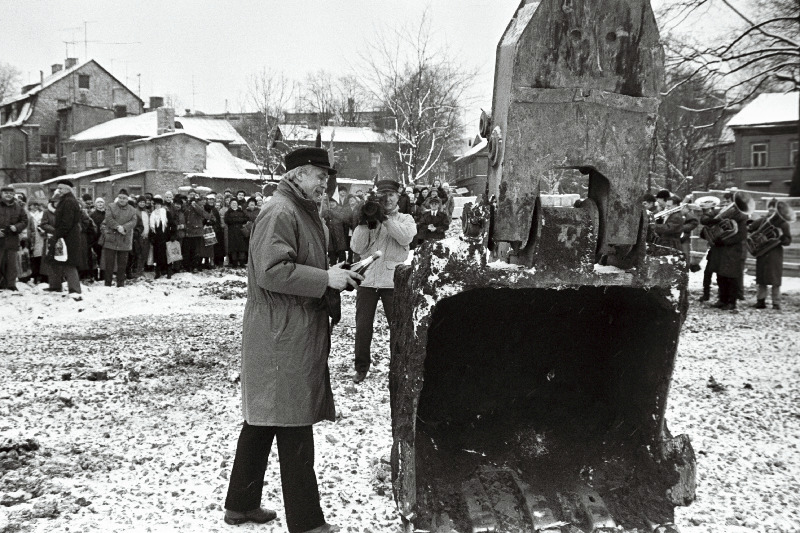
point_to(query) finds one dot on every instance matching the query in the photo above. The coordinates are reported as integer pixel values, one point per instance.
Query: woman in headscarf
(236, 220)
(97, 215)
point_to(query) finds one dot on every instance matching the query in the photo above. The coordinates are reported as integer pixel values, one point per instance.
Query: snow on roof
(212, 129)
(220, 162)
(23, 115)
(769, 108)
(45, 83)
(169, 134)
(75, 176)
(341, 134)
(146, 126)
(474, 150)
(115, 177)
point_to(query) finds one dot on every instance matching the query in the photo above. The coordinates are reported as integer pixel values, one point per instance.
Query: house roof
(768, 109)
(23, 115)
(341, 134)
(75, 175)
(115, 177)
(169, 134)
(145, 126)
(61, 74)
(474, 150)
(221, 163)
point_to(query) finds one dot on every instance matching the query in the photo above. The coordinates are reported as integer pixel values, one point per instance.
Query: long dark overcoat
(286, 337)
(67, 226)
(237, 240)
(730, 252)
(769, 267)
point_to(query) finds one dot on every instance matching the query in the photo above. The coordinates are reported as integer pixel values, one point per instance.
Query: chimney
(56, 67)
(156, 102)
(70, 62)
(165, 120)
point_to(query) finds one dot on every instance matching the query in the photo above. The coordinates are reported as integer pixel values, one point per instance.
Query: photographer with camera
(382, 227)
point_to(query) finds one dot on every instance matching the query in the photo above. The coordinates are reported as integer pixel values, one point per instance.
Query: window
(375, 160)
(61, 104)
(118, 155)
(48, 145)
(758, 155)
(74, 159)
(101, 158)
(88, 158)
(130, 155)
(83, 81)
(793, 153)
(87, 189)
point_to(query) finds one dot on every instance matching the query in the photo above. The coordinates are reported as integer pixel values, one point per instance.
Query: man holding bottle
(391, 236)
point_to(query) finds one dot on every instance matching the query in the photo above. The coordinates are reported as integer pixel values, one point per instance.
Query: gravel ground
(121, 412)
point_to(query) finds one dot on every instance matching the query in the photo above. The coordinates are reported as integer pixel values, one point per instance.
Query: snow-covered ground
(148, 446)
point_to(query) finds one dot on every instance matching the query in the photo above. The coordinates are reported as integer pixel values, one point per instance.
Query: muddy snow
(121, 413)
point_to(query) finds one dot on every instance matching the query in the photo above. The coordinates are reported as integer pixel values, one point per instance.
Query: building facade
(35, 124)
(470, 170)
(764, 152)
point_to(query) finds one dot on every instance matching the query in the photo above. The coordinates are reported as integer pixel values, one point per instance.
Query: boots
(760, 304)
(775, 306)
(706, 295)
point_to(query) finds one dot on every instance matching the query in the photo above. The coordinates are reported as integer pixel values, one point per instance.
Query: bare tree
(270, 93)
(173, 100)
(318, 95)
(10, 77)
(762, 54)
(351, 98)
(422, 87)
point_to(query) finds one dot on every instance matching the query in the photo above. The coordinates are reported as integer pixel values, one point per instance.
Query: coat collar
(295, 195)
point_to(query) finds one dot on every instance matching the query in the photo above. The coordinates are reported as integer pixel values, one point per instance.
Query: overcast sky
(203, 51)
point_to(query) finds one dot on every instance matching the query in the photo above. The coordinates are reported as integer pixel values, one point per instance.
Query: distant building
(361, 153)
(469, 170)
(762, 153)
(35, 123)
(155, 152)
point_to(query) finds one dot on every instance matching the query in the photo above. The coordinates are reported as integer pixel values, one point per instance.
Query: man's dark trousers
(298, 479)
(366, 304)
(110, 257)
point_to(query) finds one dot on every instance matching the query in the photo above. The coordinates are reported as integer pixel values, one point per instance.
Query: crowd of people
(726, 226)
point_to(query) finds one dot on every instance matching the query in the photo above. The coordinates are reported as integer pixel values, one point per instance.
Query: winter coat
(97, 217)
(235, 221)
(180, 223)
(195, 219)
(334, 217)
(439, 220)
(286, 337)
(38, 238)
(68, 227)
(159, 234)
(449, 205)
(730, 252)
(404, 204)
(392, 237)
(668, 233)
(769, 267)
(117, 215)
(12, 214)
(88, 234)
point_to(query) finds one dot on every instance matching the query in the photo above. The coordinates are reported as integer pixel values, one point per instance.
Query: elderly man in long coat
(285, 346)
(118, 226)
(67, 227)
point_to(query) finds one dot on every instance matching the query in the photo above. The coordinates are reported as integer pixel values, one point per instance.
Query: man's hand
(339, 278)
(431, 227)
(2, 233)
(13, 228)
(121, 230)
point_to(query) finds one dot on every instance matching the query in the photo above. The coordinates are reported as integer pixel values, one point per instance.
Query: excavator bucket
(532, 357)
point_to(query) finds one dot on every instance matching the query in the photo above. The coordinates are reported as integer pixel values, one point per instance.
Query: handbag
(209, 236)
(174, 252)
(60, 251)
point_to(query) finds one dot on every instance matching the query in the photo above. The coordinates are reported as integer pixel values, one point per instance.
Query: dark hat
(388, 186)
(6, 188)
(317, 157)
(86, 197)
(123, 191)
(434, 201)
(240, 191)
(157, 199)
(65, 182)
(648, 198)
(141, 198)
(663, 194)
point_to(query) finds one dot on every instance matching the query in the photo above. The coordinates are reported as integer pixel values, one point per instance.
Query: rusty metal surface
(577, 85)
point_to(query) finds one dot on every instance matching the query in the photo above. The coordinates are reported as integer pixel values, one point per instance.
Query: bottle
(361, 266)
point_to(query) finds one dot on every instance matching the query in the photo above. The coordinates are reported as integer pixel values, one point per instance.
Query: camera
(372, 212)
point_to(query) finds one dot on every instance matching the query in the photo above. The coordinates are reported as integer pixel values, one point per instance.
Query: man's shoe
(728, 307)
(719, 305)
(51, 289)
(760, 304)
(259, 516)
(704, 298)
(777, 307)
(359, 377)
